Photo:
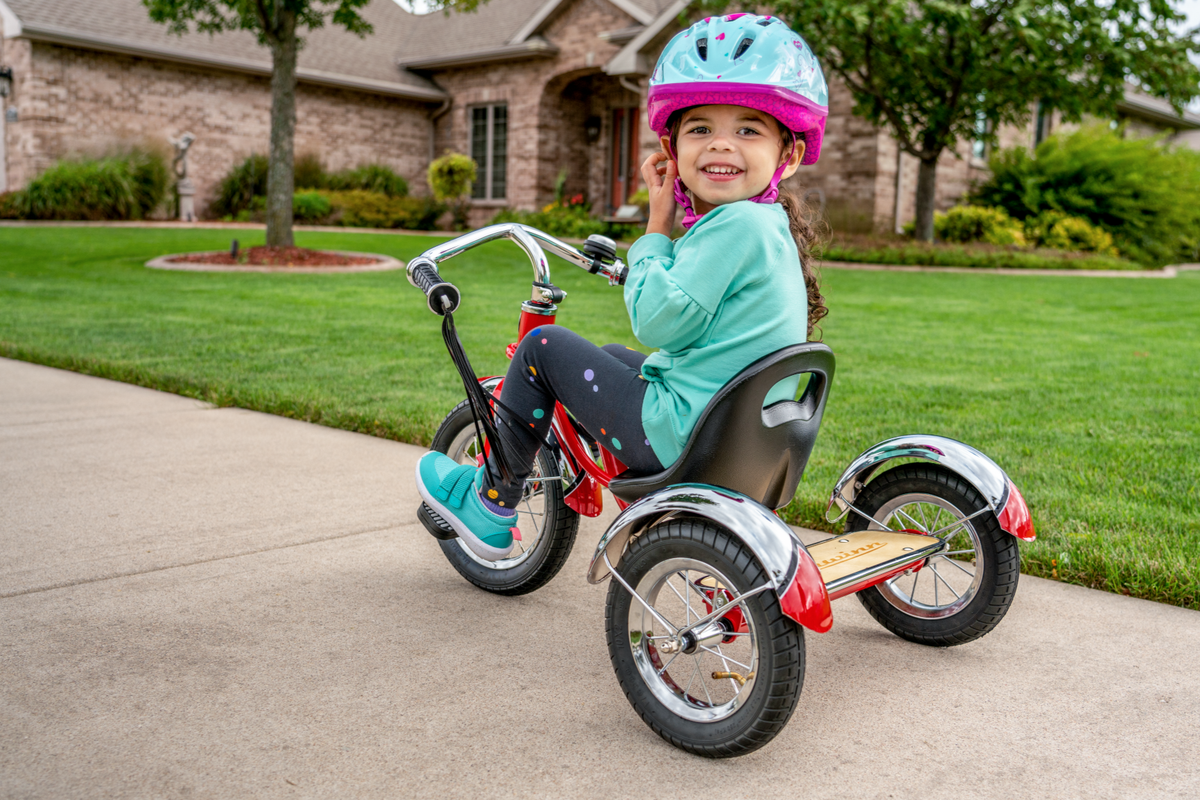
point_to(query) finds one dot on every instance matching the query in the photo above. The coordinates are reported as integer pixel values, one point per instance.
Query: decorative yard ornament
(184, 188)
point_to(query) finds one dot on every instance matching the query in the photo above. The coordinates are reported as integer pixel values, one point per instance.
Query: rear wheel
(732, 686)
(546, 523)
(958, 595)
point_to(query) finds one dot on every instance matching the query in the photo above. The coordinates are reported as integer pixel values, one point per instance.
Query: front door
(624, 170)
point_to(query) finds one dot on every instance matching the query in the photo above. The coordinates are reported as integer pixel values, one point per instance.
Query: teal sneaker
(452, 490)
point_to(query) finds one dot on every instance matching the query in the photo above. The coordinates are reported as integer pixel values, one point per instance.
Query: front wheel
(958, 595)
(547, 525)
(729, 688)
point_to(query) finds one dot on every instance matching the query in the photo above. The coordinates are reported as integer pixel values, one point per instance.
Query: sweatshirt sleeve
(672, 297)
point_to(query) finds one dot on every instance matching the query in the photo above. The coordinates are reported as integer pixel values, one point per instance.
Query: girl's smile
(730, 153)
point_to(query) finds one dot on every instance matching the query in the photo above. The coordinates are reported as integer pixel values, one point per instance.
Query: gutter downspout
(434, 115)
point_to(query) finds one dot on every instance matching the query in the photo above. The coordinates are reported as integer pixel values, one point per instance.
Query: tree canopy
(275, 23)
(266, 18)
(932, 70)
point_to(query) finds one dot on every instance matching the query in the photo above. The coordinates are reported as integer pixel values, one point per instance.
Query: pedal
(855, 561)
(434, 523)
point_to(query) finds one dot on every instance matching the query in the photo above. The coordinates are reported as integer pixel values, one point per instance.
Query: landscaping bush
(1145, 194)
(370, 178)
(129, 185)
(362, 209)
(569, 219)
(978, 224)
(240, 186)
(450, 177)
(1061, 232)
(309, 173)
(8, 205)
(310, 207)
(880, 250)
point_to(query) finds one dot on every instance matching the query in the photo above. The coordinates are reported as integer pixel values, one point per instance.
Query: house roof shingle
(330, 54)
(492, 27)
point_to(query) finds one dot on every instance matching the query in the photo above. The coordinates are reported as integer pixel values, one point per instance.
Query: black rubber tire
(780, 645)
(998, 551)
(550, 552)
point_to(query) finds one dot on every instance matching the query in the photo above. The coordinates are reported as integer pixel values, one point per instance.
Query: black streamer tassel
(480, 402)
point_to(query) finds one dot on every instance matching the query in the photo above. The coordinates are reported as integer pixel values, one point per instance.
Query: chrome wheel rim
(687, 684)
(949, 580)
(531, 512)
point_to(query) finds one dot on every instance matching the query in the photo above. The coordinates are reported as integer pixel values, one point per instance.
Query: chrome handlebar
(527, 239)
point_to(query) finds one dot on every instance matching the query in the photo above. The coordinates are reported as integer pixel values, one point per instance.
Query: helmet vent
(702, 49)
(765, 21)
(742, 47)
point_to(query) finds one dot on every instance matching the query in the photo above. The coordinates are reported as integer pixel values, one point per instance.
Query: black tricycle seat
(741, 445)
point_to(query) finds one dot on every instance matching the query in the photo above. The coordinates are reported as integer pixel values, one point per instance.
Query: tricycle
(711, 591)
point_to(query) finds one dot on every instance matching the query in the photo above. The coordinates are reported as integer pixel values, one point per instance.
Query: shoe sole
(476, 545)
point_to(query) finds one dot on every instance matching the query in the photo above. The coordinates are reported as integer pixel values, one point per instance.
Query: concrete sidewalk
(218, 603)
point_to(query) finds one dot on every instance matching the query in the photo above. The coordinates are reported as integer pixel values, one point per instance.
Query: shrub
(978, 224)
(880, 250)
(1143, 193)
(570, 219)
(1061, 232)
(125, 186)
(370, 178)
(310, 207)
(240, 186)
(309, 173)
(450, 177)
(362, 209)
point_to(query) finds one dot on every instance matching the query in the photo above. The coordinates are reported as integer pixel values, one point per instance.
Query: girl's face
(730, 153)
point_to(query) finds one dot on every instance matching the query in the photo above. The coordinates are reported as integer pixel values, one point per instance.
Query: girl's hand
(660, 183)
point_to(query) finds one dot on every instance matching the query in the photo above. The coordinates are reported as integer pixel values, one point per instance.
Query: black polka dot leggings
(601, 387)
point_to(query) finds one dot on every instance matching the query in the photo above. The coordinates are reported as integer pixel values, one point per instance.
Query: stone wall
(75, 101)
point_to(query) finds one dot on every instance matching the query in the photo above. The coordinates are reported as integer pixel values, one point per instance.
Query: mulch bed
(277, 257)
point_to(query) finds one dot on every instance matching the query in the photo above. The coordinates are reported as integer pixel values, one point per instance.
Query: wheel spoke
(695, 672)
(938, 576)
(724, 657)
(737, 690)
(955, 564)
(937, 517)
(676, 591)
(904, 513)
(670, 661)
(958, 523)
(704, 684)
(687, 602)
(924, 522)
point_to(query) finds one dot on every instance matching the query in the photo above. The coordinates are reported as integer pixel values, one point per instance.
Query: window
(489, 148)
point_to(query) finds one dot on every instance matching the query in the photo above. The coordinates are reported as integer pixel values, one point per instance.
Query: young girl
(739, 102)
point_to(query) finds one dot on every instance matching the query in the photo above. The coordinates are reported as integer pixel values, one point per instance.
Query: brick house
(532, 89)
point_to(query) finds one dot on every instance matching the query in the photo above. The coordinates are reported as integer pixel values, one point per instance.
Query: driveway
(200, 602)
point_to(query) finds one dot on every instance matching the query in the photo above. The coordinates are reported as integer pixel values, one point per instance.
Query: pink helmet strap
(769, 195)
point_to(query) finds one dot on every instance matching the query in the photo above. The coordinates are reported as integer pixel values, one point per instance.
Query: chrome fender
(791, 570)
(973, 466)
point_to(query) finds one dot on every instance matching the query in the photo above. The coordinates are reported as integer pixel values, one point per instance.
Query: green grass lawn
(1084, 389)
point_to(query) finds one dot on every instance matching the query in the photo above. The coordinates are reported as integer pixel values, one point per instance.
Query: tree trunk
(281, 178)
(926, 195)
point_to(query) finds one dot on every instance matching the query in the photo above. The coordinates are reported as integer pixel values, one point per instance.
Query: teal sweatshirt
(722, 296)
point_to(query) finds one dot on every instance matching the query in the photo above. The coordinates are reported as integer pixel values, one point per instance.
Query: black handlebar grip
(443, 297)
